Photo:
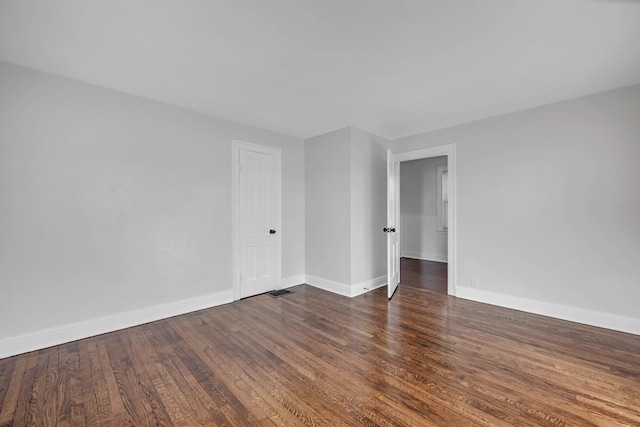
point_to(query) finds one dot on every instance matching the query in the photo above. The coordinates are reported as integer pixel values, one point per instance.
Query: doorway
(423, 223)
(257, 230)
(450, 212)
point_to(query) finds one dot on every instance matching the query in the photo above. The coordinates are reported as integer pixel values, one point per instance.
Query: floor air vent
(279, 293)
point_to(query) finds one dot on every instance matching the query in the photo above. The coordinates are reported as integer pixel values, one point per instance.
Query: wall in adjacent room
(112, 204)
(420, 236)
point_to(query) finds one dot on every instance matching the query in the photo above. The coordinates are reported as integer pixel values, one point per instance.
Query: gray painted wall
(549, 201)
(346, 206)
(328, 200)
(368, 206)
(111, 203)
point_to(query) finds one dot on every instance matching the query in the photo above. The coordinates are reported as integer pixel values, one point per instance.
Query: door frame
(448, 150)
(236, 147)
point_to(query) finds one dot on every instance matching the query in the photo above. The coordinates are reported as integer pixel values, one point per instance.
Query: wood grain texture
(429, 275)
(319, 359)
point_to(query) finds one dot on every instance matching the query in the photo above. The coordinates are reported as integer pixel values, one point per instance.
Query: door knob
(272, 231)
(389, 230)
(392, 230)
(386, 230)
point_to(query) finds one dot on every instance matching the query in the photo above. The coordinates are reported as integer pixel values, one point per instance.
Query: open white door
(393, 223)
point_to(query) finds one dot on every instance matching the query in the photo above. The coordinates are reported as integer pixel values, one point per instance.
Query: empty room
(320, 212)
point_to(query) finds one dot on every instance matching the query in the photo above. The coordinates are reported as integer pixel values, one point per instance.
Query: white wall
(548, 206)
(368, 207)
(110, 203)
(328, 197)
(420, 237)
(345, 211)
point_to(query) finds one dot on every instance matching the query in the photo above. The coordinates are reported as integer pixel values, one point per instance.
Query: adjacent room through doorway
(424, 225)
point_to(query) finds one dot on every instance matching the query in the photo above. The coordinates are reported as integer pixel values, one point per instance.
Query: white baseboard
(423, 256)
(369, 285)
(328, 285)
(572, 314)
(63, 334)
(290, 281)
(346, 290)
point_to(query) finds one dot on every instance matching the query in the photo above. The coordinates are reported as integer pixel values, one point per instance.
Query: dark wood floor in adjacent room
(429, 275)
(315, 358)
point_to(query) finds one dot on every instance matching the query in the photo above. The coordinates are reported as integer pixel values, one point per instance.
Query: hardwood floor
(315, 358)
(429, 275)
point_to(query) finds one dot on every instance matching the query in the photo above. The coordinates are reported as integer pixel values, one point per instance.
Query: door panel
(393, 223)
(258, 215)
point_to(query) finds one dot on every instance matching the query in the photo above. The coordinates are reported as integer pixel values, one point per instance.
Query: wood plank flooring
(315, 358)
(430, 275)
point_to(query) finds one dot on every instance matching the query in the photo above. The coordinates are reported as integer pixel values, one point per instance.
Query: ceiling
(305, 67)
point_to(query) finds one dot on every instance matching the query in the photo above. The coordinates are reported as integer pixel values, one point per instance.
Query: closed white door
(259, 222)
(393, 224)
